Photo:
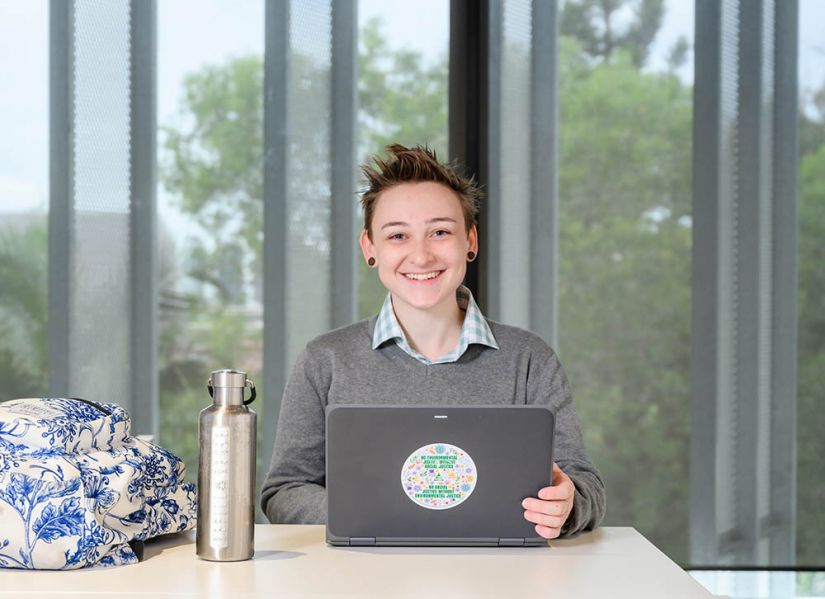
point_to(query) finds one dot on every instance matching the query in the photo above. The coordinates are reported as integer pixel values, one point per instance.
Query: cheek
(459, 250)
(388, 257)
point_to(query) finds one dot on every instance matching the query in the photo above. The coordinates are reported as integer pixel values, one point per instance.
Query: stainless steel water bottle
(226, 470)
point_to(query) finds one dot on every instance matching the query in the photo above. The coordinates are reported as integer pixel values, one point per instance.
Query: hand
(551, 509)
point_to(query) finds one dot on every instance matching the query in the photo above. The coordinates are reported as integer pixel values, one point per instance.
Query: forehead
(417, 201)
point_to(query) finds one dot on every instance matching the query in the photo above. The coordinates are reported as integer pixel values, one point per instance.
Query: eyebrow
(429, 222)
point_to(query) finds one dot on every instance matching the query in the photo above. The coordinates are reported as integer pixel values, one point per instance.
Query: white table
(294, 561)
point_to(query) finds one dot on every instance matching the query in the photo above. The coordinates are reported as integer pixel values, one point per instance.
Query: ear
(472, 240)
(367, 248)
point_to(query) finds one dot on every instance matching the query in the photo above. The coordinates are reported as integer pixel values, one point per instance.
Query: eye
(396, 237)
(441, 233)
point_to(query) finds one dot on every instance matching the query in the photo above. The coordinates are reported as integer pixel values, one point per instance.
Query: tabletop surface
(294, 561)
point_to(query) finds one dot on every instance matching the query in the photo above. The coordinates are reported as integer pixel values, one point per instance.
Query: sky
(192, 33)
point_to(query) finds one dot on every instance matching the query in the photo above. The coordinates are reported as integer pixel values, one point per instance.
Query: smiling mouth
(423, 276)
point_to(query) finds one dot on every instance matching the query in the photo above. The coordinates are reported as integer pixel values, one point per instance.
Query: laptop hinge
(362, 541)
(509, 542)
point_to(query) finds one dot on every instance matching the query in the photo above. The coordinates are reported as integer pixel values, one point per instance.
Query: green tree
(595, 23)
(402, 99)
(625, 245)
(213, 167)
(811, 356)
(23, 323)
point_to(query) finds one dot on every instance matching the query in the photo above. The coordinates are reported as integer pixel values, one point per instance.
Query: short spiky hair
(415, 165)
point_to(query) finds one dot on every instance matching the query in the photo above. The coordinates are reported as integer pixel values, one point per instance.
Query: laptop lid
(435, 475)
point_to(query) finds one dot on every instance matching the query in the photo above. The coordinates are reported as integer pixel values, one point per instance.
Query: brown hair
(415, 165)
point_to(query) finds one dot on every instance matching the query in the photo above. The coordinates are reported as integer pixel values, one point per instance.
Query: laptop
(435, 475)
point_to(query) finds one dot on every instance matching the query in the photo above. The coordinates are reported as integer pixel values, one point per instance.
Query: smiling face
(420, 244)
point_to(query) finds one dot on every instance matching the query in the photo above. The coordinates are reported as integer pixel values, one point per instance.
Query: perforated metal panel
(100, 290)
(101, 238)
(728, 223)
(741, 431)
(514, 189)
(308, 173)
(308, 123)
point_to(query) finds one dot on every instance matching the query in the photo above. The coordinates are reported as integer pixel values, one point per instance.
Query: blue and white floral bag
(77, 490)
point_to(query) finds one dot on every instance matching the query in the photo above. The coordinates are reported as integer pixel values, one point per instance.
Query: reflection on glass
(811, 305)
(210, 114)
(624, 256)
(24, 189)
(402, 91)
(761, 584)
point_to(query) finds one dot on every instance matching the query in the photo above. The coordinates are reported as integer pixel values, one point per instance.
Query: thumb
(558, 474)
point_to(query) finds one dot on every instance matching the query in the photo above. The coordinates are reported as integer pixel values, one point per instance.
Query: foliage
(811, 358)
(624, 272)
(213, 166)
(401, 98)
(23, 328)
(595, 24)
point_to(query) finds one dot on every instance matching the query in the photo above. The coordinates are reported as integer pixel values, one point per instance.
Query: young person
(429, 343)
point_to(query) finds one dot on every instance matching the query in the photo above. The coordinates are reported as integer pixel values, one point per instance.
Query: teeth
(423, 276)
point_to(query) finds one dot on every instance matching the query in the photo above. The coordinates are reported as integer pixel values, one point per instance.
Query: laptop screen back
(435, 475)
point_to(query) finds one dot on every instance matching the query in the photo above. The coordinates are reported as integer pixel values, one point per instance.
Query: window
(625, 245)
(24, 191)
(402, 93)
(210, 205)
(811, 331)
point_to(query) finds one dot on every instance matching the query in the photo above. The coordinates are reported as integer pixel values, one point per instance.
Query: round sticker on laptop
(439, 476)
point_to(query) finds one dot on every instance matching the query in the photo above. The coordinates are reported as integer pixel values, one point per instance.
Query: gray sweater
(340, 367)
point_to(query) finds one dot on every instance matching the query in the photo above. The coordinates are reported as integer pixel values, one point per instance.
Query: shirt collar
(474, 329)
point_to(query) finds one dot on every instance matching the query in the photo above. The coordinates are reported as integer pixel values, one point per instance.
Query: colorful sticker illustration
(439, 476)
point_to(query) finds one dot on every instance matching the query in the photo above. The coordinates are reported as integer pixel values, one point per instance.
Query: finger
(544, 520)
(562, 492)
(549, 508)
(547, 532)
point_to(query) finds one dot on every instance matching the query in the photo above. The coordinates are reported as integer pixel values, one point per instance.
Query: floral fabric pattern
(76, 488)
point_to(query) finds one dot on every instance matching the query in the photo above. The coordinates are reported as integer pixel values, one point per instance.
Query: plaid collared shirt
(474, 330)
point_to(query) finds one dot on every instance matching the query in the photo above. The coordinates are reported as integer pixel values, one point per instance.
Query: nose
(421, 254)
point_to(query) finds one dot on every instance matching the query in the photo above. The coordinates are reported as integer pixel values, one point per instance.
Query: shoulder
(350, 338)
(536, 361)
(523, 343)
(510, 337)
(333, 350)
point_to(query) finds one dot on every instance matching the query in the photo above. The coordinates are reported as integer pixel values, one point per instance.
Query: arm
(576, 500)
(294, 491)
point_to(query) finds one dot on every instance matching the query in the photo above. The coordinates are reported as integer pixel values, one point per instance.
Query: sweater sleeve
(294, 491)
(550, 387)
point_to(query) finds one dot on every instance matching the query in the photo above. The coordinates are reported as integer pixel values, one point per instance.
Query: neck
(432, 332)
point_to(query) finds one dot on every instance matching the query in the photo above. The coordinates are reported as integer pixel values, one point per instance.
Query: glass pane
(811, 303)
(24, 197)
(761, 584)
(210, 217)
(403, 55)
(625, 90)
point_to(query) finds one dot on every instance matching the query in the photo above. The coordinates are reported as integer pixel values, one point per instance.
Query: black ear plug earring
(471, 256)
(371, 261)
